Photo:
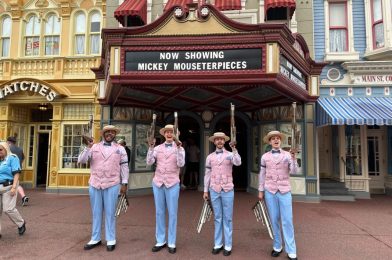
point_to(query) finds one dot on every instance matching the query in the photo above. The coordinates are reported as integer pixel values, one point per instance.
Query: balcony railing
(49, 68)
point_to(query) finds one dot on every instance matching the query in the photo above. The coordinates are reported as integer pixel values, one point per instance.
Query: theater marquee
(209, 60)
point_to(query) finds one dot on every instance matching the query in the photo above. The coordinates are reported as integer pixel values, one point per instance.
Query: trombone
(205, 215)
(122, 204)
(261, 214)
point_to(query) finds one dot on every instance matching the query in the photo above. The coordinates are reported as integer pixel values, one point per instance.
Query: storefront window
(353, 161)
(141, 148)
(256, 148)
(72, 145)
(287, 143)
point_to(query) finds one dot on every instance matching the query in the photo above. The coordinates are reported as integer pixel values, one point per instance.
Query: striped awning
(225, 5)
(136, 9)
(354, 111)
(182, 3)
(268, 4)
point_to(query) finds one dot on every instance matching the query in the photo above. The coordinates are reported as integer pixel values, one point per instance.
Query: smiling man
(274, 185)
(218, 180)
(169, 157)
(109, 175)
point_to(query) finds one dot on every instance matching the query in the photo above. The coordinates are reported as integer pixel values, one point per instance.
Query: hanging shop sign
(205, 60)
(291, 72)
(31, 86)
(372, 79)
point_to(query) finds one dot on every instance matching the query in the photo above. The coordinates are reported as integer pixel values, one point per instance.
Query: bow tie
(107, 144)
(275, 151)
(218, 152)
(168, 145)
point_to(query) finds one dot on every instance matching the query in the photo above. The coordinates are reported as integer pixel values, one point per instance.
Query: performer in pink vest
(274, 185)
(109, 171)
(169, 157)
(218, 180)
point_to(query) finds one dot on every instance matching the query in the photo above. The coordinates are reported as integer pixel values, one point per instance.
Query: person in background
(124, 144)
(19, 152)
(193, 163)
(218, 180)
(274, 186)
(109, 176)
(9, 181)
(169, 157)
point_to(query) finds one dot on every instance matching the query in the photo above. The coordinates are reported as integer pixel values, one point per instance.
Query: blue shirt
(9, 167)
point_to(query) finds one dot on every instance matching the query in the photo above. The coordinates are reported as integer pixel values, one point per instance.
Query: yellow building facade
(48, 93)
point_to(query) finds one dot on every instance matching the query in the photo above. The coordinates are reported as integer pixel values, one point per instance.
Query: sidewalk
(58, 226)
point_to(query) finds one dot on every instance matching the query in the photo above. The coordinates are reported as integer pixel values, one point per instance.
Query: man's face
(3, 152)
(109, 135)
(275, 142)
(169, 136)
(219, 142)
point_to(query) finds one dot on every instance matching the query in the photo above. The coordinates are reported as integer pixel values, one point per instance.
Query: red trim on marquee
(224, 5)
(131, 8)
(280, 3)
(182, 3)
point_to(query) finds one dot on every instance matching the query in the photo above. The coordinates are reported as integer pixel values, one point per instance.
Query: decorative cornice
(368, 67)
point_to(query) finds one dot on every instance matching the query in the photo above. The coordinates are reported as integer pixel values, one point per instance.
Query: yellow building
(48, 92)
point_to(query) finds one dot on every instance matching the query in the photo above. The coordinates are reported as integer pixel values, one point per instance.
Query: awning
(224, 5)
(182, 3)
(280, 3)
(354, 111)
(136, 9)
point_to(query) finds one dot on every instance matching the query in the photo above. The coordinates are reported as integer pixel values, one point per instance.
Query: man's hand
(88, 141)
(205, 196)
(152, 143)
(293, 153)
(261, 195)
(124, 188)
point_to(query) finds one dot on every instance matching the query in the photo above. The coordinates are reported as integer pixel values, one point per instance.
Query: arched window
(32, 36)
(5, 34)
(52, 35)
(80, 33)
(95, 31)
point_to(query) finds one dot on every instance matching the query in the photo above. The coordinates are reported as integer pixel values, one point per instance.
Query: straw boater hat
(110, 127)
(167, 127)
(219, 135)
(267, 138)
(121, 141)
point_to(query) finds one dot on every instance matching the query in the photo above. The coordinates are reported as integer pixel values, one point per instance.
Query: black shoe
(110, 247)
(22, 229)
(226, 252)
(25, 200)
(157, 248)
(216, 251)
(295, 258)
(172, 250)
(275, 253)
(91, 246)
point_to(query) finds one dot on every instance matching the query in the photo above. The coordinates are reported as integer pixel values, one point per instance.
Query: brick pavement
(59, 225)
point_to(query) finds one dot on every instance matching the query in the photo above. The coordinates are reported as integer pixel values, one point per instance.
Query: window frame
(374, 23)
(350, 54)
(32, 35)
(3, 37)
(339, 27)
(87, 34)
(45, 35)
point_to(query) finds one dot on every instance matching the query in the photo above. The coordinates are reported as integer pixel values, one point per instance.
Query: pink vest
(167, 171)
(105, 171)
(221, 172)
(277, 175)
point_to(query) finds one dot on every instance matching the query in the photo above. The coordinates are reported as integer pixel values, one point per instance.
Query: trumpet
(87, 136)
(122, 204)
(233, 129)
(205, 215)
(151, 131)
(261, 214)
(176, 131)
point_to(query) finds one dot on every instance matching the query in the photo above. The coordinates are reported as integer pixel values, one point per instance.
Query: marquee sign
(26, 85)
(291, 72)
(205, 60)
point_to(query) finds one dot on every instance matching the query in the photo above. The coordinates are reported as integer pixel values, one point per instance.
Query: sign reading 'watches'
(209, 60)
(30, 86)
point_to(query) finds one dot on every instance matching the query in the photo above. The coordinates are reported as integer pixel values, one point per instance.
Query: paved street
(59, 225)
